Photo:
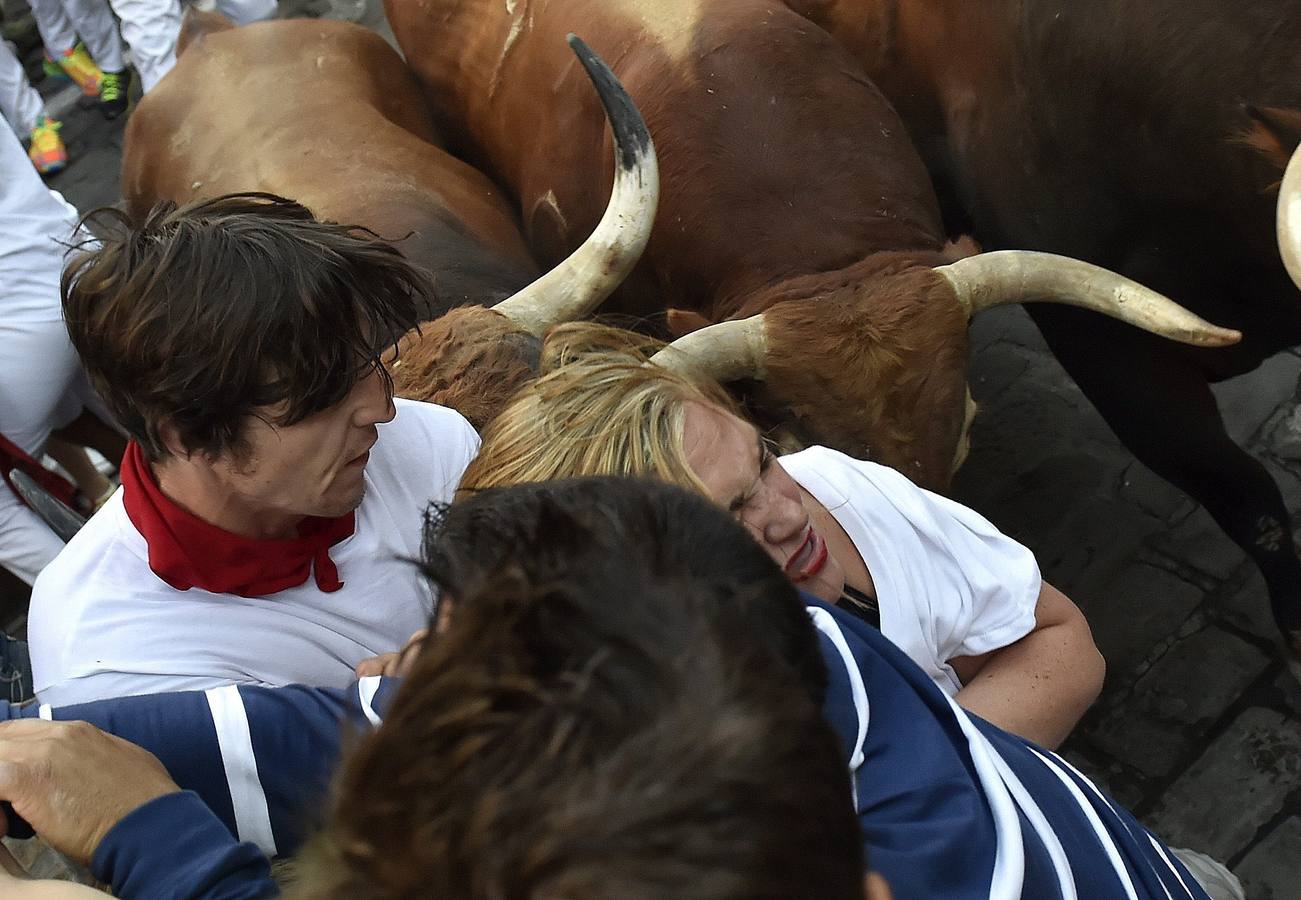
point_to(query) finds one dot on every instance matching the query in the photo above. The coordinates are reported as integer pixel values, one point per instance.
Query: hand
(73, 782)
(394, 665)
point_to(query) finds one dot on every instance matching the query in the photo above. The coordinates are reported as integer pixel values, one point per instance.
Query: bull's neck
(750, 298)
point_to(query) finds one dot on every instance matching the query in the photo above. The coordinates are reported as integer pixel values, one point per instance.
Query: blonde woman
(964, 601)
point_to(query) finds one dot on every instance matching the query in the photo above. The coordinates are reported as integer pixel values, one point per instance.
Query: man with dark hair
(557, 742)
(584, 726)
(273, 485)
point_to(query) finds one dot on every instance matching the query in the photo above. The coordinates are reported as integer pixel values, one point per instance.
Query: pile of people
(82, 43)
(614, 647)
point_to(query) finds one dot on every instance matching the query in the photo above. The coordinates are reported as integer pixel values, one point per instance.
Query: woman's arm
(15, 885)
(1039, 686)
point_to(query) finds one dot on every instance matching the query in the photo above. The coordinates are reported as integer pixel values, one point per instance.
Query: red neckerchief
(187, 552)
(13, 457)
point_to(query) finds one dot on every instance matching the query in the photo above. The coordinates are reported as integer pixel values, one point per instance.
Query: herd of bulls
(791, 222)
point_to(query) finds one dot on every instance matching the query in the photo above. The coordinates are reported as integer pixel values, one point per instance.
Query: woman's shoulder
(831, 469)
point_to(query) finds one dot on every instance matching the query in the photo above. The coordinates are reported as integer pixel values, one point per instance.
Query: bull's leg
(1160, 406)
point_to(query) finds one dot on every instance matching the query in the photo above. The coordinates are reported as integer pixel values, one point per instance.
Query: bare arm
(1040, 686)
(15, 884)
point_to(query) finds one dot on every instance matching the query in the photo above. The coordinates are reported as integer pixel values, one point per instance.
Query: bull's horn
(727, 351)
(1289, 218)
(591, 273)
(1022, 276)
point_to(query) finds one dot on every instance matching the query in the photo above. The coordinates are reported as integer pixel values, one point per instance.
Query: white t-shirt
(947, 581)
(102, 624)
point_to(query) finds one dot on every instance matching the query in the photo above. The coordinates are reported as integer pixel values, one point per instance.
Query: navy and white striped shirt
(952, 806)
(949, 805)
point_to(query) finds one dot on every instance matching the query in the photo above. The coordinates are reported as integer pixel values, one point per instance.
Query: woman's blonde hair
(597, 409)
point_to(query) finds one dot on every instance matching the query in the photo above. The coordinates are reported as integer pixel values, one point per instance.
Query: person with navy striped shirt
(947, 804)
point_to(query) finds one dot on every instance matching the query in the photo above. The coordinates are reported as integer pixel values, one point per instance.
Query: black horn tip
(631, 137)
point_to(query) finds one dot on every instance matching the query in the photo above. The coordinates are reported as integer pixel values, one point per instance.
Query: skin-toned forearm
(1040, 686)
(15, 885)
(77, 464)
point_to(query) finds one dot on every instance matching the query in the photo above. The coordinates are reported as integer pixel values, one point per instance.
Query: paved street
(1199, 729)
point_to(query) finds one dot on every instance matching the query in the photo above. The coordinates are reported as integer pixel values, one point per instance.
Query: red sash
(13, 457)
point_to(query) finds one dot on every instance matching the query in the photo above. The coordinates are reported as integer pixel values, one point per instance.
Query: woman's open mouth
(809, 559)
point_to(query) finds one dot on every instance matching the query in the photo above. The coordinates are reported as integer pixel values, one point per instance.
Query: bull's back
(1146, 104)
(325, 113)
(246, 105)
(1063, 124)
(777, 156)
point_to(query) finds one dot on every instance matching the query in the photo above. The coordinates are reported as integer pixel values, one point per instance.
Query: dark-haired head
(605, 716)
(635, 528)
(205, 314)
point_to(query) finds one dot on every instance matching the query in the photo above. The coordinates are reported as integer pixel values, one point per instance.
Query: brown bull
(1147, 137)
(327, 114)
(789, 187)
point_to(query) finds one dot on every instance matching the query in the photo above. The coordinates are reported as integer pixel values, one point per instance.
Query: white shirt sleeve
(949, 583)
(997, 579)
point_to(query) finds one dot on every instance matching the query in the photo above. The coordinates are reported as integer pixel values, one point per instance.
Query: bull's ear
(197, 25)
(1274, 132)
(684, 321)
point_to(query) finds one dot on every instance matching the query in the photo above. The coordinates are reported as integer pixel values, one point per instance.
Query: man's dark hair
(600, 720)
(560, 529)
(208, 313)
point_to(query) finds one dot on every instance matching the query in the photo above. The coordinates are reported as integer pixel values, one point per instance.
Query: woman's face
(742, 475)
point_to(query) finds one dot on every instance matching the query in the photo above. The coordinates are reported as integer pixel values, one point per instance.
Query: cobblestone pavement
(1199, 727)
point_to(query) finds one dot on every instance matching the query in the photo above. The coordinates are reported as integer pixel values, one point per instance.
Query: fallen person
(964, 601)
(577, 611)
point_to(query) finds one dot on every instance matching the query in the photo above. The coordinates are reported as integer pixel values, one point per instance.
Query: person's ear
(876, 888)
(170, 436)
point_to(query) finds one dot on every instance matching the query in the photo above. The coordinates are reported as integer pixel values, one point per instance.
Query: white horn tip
(1216, 337)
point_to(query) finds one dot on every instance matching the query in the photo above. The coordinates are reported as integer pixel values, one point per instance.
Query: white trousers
(27, 545)
(42, 383)
(20, 105)
(151, 27)
(241, 12)
(62, 21)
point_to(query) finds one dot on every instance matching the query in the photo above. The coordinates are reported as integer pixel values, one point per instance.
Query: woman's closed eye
(767, 454)
(739, 504)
